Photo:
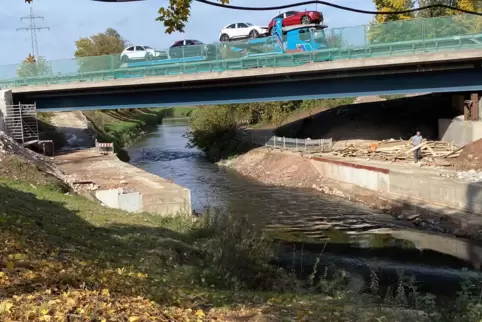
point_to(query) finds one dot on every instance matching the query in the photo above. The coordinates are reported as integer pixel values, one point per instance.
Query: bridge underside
(435, 79)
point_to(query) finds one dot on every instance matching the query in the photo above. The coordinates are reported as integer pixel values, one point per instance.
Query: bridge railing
(374, 40)
(284, 143)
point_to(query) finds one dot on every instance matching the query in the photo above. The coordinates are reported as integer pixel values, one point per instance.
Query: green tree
(105, 46)
(32, 67)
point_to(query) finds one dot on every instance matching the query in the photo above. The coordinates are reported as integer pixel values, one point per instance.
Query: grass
(65, 258)
(122, 127)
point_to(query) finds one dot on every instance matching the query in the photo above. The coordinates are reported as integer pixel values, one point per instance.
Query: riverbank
(289, 169)
(73, 130)
(65, 257)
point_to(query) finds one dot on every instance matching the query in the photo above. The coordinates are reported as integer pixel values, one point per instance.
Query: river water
(329, 224)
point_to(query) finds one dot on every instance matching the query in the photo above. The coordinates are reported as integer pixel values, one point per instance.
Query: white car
(142, 53)
(241, 30)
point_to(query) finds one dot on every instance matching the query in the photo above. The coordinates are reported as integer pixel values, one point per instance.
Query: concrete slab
(124, 186)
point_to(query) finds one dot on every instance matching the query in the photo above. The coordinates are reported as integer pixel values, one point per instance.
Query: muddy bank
(287, 169)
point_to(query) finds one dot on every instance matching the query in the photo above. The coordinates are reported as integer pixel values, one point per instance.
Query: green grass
(122, 127)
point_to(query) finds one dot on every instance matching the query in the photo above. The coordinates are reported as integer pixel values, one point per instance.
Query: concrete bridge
(438, 72)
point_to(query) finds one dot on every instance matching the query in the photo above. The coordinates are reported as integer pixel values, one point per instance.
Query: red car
(291, 18)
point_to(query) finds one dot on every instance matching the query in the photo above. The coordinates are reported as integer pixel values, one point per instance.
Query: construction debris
(393, 150)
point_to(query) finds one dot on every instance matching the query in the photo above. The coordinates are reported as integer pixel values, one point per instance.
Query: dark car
(291, 18)
(192, 48)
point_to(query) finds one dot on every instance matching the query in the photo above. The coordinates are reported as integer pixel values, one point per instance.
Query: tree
(103, 46)
(393, 5)
(471, 5)
(32, 67)
(176, 14)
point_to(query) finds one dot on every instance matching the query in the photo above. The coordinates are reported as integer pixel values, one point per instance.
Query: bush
(239, 255)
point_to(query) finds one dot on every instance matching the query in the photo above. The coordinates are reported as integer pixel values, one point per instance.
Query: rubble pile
(393, 150)
(9, 147)
(470, 175)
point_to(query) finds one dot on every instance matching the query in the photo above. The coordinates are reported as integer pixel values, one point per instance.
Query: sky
(71, 19)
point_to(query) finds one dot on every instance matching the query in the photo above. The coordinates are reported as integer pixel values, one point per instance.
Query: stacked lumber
(392, 150)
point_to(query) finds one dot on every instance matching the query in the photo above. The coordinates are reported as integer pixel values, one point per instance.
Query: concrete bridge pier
(6, 99)
(467, 127)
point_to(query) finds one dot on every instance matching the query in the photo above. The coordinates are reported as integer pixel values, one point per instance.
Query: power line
(370, 12)
(32, 27)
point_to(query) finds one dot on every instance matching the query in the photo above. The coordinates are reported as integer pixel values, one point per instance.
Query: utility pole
(32, 27)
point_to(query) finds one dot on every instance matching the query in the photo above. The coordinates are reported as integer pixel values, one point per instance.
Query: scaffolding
(21, 122)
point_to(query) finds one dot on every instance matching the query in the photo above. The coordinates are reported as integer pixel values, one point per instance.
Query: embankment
(422, 196)
(121, 127)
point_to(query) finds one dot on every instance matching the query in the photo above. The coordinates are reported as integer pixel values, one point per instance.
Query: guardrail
(284, 143)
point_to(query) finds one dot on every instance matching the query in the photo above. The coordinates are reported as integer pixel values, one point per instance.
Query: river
(432, 258)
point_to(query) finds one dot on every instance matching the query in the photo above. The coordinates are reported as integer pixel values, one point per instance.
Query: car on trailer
(292, 18)
(242, 30)
(192, 48)
(142, 53)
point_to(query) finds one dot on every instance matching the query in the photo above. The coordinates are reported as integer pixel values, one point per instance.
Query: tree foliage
(176, 14)
(445, 22)
(32, 67)
(103, 45)
(393, 5)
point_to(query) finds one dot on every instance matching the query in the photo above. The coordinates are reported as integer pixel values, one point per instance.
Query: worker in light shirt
(416, 140)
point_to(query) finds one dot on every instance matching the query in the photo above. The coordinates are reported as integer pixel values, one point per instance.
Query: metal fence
(284, 143)
(374, 40)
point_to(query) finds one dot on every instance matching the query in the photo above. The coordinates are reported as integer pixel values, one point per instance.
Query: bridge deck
(331, 69)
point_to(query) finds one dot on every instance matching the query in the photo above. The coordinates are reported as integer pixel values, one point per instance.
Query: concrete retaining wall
(364, 176)
(443, 191)
(458, 131)
(163, 202)
(5, 99)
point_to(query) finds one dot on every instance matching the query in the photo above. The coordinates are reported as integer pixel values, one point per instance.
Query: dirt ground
(470, 158)
(98, 171)
(289, 171)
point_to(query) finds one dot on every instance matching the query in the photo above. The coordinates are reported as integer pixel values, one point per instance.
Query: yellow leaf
(104, 320)
(133, 318)
(44, 311)
(18, 256)
(10, 265)
(5, 307)
(105, 292)
(2, 274)
(199, 313)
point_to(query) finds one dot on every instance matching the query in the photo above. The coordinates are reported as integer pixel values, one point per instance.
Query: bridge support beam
(6, 99)
(472, 106)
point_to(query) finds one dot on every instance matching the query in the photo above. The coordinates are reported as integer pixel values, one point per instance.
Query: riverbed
(388, 247)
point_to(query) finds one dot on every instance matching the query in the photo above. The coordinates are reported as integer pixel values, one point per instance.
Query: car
(191, 48)
(291, 18)
(142, 53)
(241, 30)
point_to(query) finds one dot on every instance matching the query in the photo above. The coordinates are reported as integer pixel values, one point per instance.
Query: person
(416, 140)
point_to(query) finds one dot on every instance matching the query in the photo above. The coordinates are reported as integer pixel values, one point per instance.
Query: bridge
(421, 55)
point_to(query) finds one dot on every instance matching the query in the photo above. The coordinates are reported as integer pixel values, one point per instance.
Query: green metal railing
(376, 40)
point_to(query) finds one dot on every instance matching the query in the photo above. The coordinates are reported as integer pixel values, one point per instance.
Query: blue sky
(70, 19)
